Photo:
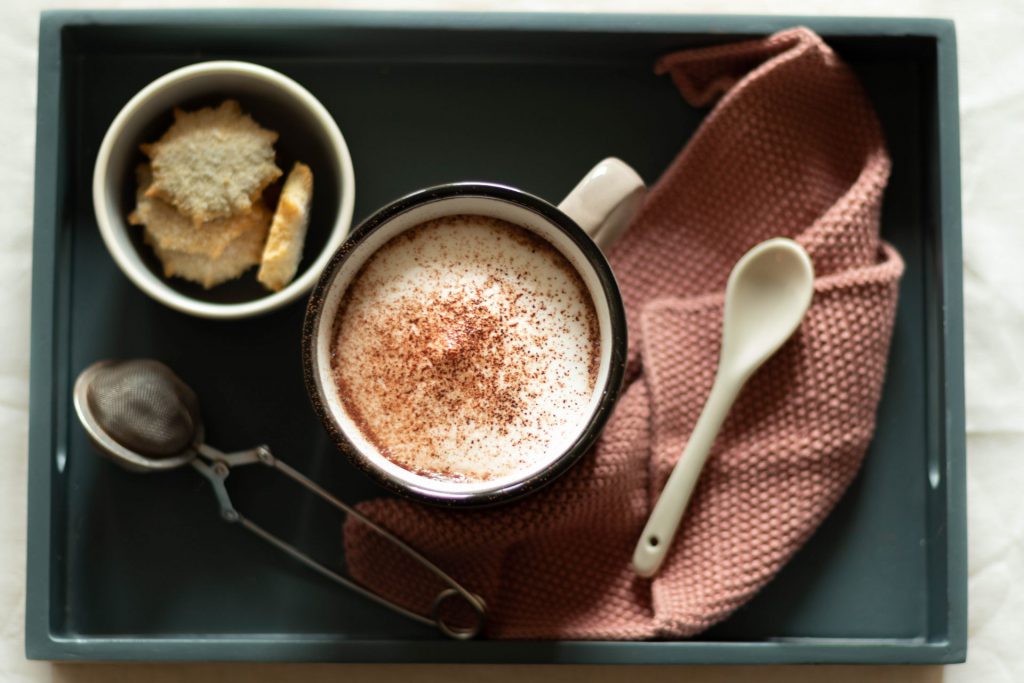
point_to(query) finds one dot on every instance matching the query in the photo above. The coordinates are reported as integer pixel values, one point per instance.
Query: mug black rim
(610, 391)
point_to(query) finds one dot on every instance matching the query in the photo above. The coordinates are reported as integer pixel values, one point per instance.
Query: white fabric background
(991, 45)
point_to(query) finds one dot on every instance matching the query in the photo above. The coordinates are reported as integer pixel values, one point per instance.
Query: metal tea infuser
(143, 417)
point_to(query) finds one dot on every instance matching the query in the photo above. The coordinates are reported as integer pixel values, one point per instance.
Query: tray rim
(46, 420)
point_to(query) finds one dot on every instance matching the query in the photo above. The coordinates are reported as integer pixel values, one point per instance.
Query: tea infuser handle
(217, 472)
(605, 201)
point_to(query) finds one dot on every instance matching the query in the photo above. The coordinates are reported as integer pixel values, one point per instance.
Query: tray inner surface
(534, 109)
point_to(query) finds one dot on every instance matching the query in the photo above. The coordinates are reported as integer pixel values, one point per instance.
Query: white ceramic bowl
(308, 133)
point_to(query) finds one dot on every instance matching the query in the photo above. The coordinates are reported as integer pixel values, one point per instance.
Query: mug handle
(605, 201)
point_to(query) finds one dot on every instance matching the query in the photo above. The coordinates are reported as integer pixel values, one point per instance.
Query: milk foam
(466, 349)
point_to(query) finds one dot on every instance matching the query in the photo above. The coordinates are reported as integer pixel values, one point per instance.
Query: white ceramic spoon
(766, 297)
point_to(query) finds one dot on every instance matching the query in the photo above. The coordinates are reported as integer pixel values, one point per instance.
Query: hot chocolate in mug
(467, 344)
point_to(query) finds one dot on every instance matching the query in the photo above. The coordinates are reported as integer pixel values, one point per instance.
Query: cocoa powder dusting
(461, 357)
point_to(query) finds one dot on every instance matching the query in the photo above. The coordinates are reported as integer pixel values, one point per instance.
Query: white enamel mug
(590, 218)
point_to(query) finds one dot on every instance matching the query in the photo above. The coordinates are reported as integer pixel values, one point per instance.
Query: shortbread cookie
(172, 230)
(283, 252)
(238, 256)
(212, 163)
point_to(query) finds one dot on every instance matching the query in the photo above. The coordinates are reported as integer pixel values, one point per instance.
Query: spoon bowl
(766, 297)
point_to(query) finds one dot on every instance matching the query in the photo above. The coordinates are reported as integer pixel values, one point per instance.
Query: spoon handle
(660, 531)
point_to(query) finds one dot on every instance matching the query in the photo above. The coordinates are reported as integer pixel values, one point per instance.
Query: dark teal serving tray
(123, 566)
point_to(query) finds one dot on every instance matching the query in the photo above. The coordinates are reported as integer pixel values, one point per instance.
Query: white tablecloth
(991, 44)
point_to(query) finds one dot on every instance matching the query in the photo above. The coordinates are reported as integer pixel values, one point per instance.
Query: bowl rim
(153, 285)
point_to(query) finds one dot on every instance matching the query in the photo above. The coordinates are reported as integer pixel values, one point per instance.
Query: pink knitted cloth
(792, 148)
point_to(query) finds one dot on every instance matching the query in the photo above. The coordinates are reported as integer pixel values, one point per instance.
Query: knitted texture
(793, 149)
